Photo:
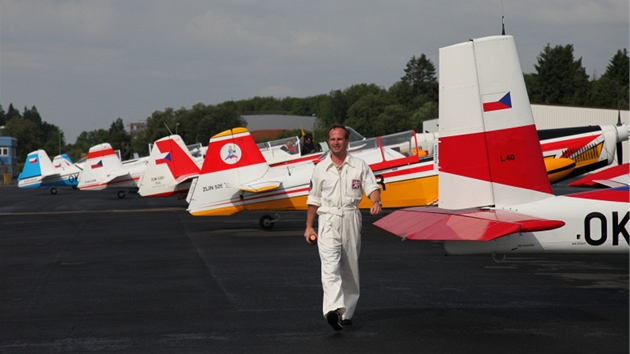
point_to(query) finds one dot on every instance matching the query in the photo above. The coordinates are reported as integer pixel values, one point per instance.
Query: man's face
(337, 140)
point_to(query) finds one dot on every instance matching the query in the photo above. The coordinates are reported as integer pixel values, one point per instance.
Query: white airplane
(498, 199)
(103, 169)
(39, 171)
(236, 176)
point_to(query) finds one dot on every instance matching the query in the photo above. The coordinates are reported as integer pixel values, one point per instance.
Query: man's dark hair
(338, 126)
(308, 136)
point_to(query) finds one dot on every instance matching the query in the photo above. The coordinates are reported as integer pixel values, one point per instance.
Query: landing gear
(122, 194)
(498, 258)
(267, 221)
(53, 191)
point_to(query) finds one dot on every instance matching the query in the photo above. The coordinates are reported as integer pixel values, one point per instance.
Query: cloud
(86, 63)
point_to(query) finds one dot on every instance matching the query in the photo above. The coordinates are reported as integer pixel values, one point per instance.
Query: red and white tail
(233, 165)
(170, 165)
(101, 166)
(231, 149)
(489, 153)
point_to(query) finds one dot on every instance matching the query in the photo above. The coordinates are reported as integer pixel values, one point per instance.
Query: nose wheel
(122, 194)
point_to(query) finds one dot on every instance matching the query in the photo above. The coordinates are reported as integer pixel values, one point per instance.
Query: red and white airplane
(236, 176)
(103, 169)
(171, 167)
(499, 200)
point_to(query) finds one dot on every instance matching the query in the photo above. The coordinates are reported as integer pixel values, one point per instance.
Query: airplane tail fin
(170, 164)
(37, 164)
(489, 153)
(101, 166)
(61, 161)
(233, 165)
(232, 149)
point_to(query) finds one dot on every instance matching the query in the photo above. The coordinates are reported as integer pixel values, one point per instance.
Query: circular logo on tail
(230, 153)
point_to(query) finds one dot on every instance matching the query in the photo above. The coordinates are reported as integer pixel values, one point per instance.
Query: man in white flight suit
(337, 187)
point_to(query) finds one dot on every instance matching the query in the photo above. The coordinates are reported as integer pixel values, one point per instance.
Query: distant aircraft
(235, 175)
(103, 169)
(39, 171)
(170, 168)
(614, 176)
(499, 201)
(172, 165)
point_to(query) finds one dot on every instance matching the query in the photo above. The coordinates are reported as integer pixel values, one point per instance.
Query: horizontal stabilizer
(610, 177)
(51, 177)
(260, 187)
(184, 178)
(435, 224)
(113, 176)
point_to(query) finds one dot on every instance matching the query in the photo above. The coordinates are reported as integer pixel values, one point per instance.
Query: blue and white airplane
(39, 171)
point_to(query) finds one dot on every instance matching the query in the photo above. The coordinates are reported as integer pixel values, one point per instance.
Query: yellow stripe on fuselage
(416, 192)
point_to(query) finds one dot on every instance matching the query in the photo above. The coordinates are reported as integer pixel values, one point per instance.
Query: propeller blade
(619, 153)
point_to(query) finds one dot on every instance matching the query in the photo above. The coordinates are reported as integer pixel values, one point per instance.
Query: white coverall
(337, 194)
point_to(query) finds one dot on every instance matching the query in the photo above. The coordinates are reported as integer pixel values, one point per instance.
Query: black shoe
(346, 322)
(334, 319)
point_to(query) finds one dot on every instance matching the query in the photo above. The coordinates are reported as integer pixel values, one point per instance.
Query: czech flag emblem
(491, 103)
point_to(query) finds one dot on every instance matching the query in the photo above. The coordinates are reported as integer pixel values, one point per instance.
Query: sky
(84, 64)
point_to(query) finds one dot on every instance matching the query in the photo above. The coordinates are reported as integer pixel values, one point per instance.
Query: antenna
(502, 20)
(169, 131)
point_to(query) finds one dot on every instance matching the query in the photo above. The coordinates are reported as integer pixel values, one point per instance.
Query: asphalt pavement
(86, 272)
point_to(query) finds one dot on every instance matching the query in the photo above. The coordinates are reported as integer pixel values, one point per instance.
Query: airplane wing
(436, 224)
(51, 177)
(259, 187)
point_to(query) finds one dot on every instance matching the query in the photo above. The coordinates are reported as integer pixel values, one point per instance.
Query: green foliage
(25, 131)
(429, 110)
(368, 108)
(611, 89)
(419, 85)
(559, 78)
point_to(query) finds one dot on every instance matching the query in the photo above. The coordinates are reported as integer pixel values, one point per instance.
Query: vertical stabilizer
(233, 165)
(36, 166)
(170, 164)
(489, 153)
(102, 165)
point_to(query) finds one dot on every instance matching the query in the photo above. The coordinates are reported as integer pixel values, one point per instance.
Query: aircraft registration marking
(212, 187)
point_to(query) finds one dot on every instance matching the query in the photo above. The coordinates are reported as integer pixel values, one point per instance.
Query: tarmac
(86, 272)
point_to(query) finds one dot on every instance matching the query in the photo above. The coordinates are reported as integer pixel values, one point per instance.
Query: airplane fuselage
(591, 226)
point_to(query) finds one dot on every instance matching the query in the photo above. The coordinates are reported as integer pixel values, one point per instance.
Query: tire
(266, 222)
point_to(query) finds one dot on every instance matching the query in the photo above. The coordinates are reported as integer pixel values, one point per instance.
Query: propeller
(619, 146)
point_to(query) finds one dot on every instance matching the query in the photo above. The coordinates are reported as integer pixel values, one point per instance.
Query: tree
(429, 110)
(117, 134)
(611, 89)
(419, 85)
(25, 131)
(559, 79)
(11, 113)
(365, 113)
